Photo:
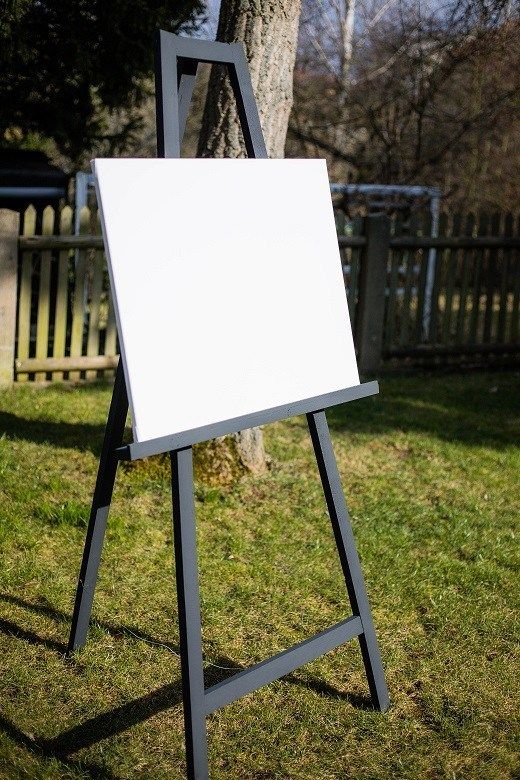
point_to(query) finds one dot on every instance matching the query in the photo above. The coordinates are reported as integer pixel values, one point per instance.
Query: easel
(177, 60)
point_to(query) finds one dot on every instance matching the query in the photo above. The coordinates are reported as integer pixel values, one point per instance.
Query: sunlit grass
(430, 470)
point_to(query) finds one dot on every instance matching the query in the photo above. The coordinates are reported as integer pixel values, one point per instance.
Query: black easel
(177, 60)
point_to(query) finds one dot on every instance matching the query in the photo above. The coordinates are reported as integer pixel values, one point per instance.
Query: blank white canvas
(228, 287)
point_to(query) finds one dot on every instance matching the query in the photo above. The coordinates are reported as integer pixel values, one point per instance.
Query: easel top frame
(176, 63)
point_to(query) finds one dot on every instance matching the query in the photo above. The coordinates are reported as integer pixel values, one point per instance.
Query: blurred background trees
(76, 76)
(389, 91)
(407, 92)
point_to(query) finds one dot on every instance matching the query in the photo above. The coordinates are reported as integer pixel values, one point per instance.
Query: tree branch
(325, 146)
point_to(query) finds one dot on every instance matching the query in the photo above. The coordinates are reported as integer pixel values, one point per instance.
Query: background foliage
(69, 67)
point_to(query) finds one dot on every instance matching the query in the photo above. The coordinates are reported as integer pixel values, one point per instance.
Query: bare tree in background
(269, 31)
(327, 36)
(426, 93)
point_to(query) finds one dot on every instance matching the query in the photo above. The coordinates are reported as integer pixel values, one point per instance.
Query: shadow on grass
(214, 673)
(84, 437)
(472, 409)
(11, 629)
(115, 721)
(119, 719)
(117, 631)
(123, 717)
(43, 750)
(356, 700)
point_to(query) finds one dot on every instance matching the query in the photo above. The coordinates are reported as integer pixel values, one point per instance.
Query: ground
(430, 470)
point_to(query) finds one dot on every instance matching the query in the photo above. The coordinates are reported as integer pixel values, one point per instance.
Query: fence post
(372, 287)
(9, 227)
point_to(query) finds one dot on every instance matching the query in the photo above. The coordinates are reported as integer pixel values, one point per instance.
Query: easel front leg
(349, 559)
(99, 513)
(188, 599)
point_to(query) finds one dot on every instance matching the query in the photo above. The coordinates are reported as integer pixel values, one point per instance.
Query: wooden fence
(453, 295)
(66, 326)
(410, 295)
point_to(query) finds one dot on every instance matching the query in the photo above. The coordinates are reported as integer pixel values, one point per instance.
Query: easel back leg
(348, 556)
(99, 513)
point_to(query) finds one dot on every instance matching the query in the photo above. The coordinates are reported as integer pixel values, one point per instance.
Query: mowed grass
(431, 473)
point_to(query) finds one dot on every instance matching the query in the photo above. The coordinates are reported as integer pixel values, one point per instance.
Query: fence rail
(39, 243)
(438, 242)
(409, 294)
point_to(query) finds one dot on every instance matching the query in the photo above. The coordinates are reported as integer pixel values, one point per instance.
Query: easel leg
(349, 559)
(188, 599)
(99, 513)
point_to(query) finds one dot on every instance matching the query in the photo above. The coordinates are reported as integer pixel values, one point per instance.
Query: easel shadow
(117, 631)
(117, 720)
(93, 771)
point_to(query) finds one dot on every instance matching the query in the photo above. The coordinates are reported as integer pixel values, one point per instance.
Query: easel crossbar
(207, 51)
(178, 441)
(281, 664)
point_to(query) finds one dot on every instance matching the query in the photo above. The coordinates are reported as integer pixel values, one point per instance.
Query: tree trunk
(347, 22)
(269, 31)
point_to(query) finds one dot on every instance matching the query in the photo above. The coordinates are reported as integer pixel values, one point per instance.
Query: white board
(228, 287)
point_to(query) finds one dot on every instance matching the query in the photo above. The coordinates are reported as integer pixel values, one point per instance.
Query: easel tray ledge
(177, 441)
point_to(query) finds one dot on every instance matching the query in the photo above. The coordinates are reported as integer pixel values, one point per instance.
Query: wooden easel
(177, 60)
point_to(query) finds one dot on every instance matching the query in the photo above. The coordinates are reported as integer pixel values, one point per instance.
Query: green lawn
(431, 473)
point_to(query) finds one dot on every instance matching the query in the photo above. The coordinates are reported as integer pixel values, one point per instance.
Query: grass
(430, 470)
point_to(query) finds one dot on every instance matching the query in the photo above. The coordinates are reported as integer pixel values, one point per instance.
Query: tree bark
(269, 31)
